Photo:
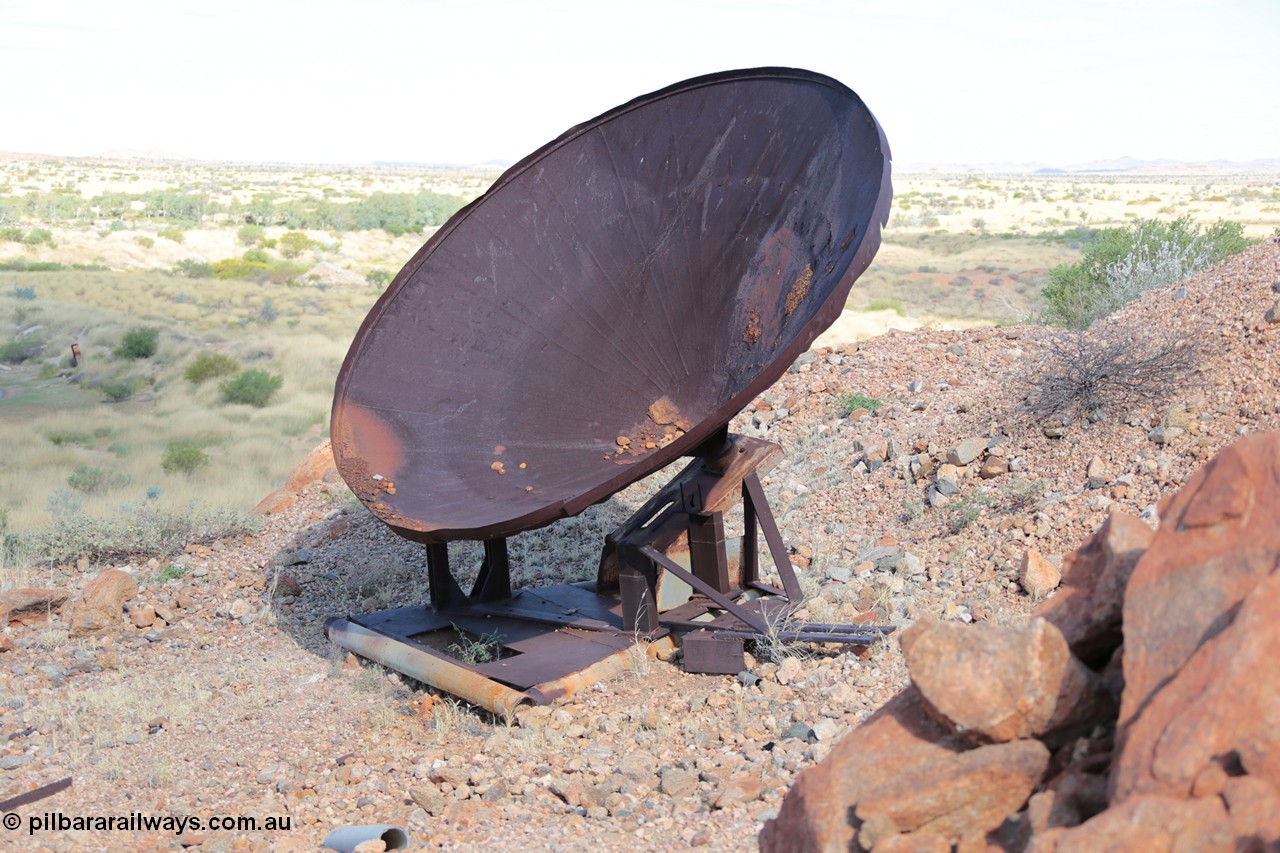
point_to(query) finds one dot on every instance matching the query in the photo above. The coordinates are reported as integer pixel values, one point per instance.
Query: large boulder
(1220, 710)
(1219, 537)
(1144, 824)
(1088, 606)
(818, 812)
(101, 603)
(29, 603)
(316, 467)
(997, 683)
(963, 795)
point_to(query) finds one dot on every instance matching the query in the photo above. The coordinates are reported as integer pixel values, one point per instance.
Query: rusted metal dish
(614, 299)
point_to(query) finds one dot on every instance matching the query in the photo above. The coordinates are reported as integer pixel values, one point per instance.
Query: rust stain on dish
(662, 425)
(799, 290)
(752, 334)
(662, 411)
(377, 451)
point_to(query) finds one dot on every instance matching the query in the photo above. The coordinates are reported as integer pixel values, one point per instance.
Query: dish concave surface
(610, 302)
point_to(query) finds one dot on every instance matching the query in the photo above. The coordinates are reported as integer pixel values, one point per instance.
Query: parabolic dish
(613, 299)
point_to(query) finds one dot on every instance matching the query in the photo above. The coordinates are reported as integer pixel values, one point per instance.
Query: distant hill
(1121, 165)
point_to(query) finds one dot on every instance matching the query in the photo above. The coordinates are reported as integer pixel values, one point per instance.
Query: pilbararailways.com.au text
(138, 822)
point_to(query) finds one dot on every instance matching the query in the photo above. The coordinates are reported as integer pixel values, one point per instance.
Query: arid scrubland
(212, 307)
(273, 267)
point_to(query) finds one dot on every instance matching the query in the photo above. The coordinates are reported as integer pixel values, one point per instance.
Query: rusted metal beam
(427, 666)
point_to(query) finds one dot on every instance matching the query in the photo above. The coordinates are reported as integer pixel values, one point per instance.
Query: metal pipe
(427, 667)
(345, 839)
(615, 663)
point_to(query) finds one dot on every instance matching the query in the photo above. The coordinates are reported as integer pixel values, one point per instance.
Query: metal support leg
(777, 549)
(445, 592)
(750, 554)
(494, 581)
(637, 581)
(707, 550)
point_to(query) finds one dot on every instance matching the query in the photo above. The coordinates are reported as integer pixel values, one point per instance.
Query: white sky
(447, 81)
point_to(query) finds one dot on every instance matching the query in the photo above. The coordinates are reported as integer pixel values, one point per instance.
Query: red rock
(1088, 606)
(142, 615)
(287, 586)
(914, 842)
(101, 602)
(28, 602)
(1144, 824)
(1223, 705)
(961, 794)
(1048, 809)
(1219, 536)
(995, 466)
(276, 502)
(816, 813)
(6, 643)
(316, 467)
(997, 683)
(740, 789)
(1254, 806)
(1037, 575)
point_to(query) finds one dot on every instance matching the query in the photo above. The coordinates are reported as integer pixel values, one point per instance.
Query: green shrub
(36, 236)
(138, 343)
(144, 241)
(76, 438)
(11, 235)
(13, 548)
(190, 268)
(887, 305)
(27, 294)
(251, 387)
(965, 509)
(172, 232)
(183, 457)
(378, 278)
(210, 366)
(229, 268)
(92, 480)
(170, 572)
(47, 372)
(1120, 264)
(847, 404)
(250, 234)
(18, 350)
(294, 243)
(117, 391)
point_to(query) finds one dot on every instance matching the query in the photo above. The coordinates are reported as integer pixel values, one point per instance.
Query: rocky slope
(216, 692)
(1057, 735)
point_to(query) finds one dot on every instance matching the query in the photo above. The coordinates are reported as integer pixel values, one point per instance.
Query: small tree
(250, 234)
(92, 480)
(19, 350)
(138, 343)
(118, 391)
(183, 457)
(251, 387)
(1121, 264)
(210, 366)
(294, 243)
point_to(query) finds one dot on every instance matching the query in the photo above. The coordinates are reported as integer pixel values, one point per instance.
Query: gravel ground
(240, 706)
